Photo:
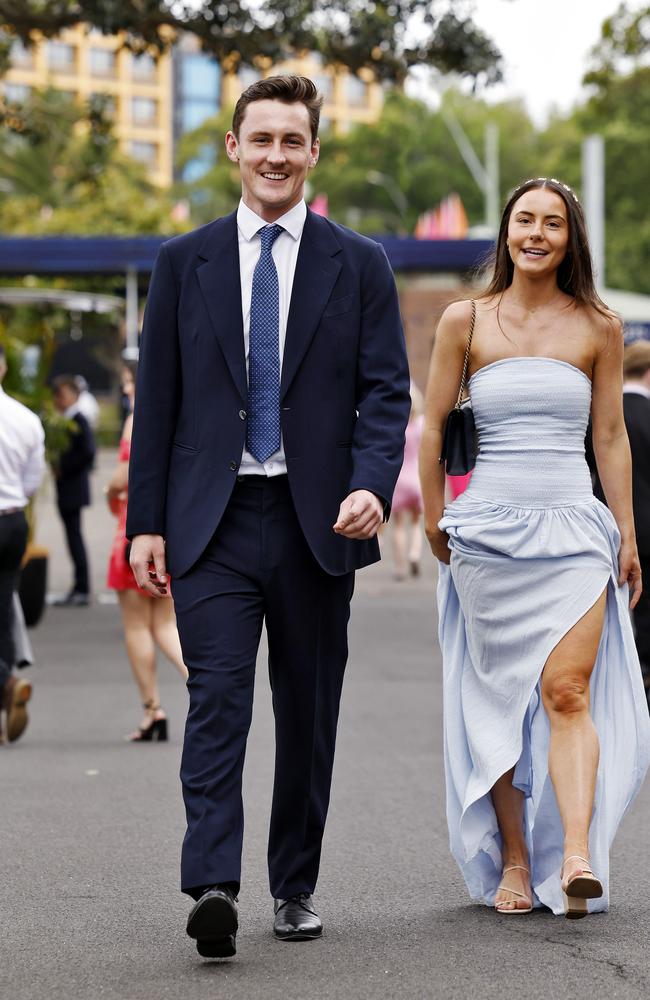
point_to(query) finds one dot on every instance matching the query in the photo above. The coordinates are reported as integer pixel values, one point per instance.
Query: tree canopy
(61, 172)
(386, 36)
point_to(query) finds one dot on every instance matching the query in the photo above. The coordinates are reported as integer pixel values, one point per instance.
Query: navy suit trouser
(256, 570)
(77, 549)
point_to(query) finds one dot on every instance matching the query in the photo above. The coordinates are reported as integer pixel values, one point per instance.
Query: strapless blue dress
(532, 550)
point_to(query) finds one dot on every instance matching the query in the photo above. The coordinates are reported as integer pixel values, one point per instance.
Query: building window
(198, 91)
(145, 152)
(107, 102)
(248, 75)
(200, 77)
(22, 57)
(16, 93)
(61, 57)
(324, 85)
(194, 113)
(356, 91)
(102, 62)
(143, 67)
(144, 111)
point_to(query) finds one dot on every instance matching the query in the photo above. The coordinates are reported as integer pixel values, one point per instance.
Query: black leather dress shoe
(296, 919)
(213, 922)
(75, 599)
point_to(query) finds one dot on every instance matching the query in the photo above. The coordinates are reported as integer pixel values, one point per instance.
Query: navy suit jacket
(636, 410)
(344, 389)
(75, 465)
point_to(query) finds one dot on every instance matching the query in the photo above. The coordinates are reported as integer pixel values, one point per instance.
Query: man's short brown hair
(288, 89)
(636, 359)
(65, 382)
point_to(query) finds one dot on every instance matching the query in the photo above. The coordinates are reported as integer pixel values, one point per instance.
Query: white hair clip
(554, 181)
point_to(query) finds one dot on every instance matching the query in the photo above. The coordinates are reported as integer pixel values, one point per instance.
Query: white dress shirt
(285, 254)
(22, 456)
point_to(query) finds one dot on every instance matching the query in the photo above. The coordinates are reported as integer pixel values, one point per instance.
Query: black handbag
(459, 439)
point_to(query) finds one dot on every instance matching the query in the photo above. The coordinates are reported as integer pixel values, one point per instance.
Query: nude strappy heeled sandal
(577, 890)
(522, 895)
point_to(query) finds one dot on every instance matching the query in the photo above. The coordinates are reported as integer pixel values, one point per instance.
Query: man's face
(64, 397)
(275, 152)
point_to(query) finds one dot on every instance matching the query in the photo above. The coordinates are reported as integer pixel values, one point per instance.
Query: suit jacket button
(242, 414)
(233, 466)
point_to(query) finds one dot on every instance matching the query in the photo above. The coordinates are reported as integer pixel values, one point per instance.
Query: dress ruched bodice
(531, 416)
(532, 550)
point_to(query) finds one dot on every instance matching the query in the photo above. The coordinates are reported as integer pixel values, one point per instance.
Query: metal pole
(465, 148)
(593, 193)
(492, 193)
(131, 350)
(486, 177)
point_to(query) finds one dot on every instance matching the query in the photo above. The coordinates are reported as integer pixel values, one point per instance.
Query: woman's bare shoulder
(455, 320)
(606, 329)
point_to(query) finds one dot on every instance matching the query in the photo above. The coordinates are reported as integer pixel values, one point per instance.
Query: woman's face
(538, 232)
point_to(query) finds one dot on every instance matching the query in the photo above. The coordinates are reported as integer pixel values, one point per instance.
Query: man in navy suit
(72, 475)
(272, 399)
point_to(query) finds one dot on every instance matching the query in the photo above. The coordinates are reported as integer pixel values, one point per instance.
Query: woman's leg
(574, 750)
(140, 648)
(415, 548)
(399, 543)
(165, 633)
(508, 804)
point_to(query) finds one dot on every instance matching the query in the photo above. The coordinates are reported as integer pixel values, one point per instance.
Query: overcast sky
(545, 46)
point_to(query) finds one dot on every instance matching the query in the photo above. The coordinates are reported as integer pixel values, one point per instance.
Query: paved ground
(90, 830)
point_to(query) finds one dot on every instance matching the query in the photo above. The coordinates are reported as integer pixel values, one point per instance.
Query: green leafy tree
(354, 33)
(623, 46)
(61, 172)
(619, 110)
(409, 150)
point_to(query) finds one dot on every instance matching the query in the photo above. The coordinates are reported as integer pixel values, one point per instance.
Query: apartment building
(155, 102)
(82, 63)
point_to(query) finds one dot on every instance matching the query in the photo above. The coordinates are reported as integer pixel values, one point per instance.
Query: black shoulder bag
(459, 440)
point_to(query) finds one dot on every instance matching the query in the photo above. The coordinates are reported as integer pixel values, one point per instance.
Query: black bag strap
(463, 378)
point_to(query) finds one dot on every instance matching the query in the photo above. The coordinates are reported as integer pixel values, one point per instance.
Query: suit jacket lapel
(218, 277)
(314, 279)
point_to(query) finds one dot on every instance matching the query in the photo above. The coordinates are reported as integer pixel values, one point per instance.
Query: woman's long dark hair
(575, 274)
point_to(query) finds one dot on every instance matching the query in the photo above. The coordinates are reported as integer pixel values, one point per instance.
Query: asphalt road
(90, 829)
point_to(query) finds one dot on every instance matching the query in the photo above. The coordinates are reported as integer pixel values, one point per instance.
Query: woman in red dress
(147, 623)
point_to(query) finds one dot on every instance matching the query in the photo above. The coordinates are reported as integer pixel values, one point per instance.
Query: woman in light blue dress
(547, 737)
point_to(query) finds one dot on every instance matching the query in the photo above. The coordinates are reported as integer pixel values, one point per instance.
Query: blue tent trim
(59, 255)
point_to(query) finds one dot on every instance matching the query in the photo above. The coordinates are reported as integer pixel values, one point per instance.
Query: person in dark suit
(72, 475)
(636, 410)
(271, 405)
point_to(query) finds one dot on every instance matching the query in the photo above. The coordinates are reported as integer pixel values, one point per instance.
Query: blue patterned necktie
(263, 431)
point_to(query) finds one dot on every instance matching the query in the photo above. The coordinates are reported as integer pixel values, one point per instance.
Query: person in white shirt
(22, 462)
(86, 403)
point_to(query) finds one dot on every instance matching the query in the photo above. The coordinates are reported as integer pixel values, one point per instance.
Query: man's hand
(148, 564)
(360, 515)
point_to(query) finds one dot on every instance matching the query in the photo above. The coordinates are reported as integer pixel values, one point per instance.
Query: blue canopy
(41, 255)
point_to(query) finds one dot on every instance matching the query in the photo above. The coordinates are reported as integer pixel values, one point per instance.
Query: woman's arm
(612, 448)
(442, 391)
(119, 480)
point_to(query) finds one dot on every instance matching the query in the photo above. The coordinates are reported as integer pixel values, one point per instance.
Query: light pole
(393, 191)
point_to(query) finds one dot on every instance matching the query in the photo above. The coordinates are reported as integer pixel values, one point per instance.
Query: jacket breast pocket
(338, 306)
